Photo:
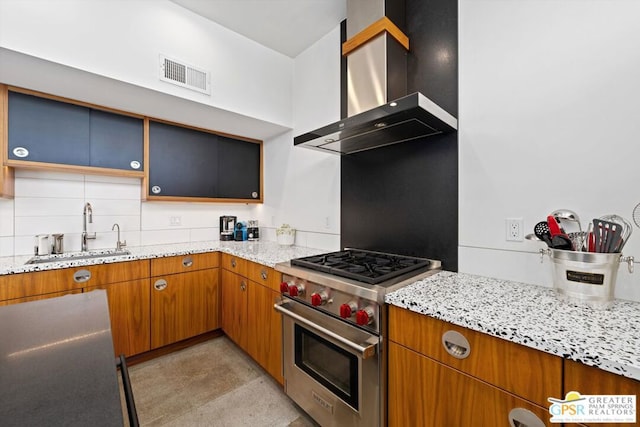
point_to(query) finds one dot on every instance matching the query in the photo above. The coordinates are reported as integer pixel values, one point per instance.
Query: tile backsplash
(53, 202)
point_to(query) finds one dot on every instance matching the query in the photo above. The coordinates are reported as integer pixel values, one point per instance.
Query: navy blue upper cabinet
(192, 163)
(239, 169)
(116, 141)
(49, 131)
(43, 130)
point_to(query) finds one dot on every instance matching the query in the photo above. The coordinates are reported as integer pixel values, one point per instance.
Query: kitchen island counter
(57, 365)
(533, 316)
(265, 253)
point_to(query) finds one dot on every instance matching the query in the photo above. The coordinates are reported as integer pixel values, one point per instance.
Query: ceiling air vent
(181, 74)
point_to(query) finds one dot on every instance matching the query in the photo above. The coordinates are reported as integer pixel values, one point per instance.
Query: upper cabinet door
(183, 162)
(54, 132)
(187, 163)
(239, 169)
(44, 130)
(116, 141)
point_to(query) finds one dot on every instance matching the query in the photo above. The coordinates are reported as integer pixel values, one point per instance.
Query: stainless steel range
(334, 323)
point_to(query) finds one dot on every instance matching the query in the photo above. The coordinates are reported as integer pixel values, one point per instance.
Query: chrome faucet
(119, 244)
(86, 236)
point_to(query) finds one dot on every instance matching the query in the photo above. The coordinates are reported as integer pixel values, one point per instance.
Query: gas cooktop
(362, 265)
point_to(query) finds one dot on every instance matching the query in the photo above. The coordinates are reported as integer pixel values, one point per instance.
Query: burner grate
(364, 266)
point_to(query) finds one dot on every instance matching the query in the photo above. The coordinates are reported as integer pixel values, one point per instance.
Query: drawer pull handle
(160, 285)
(233, 262)
(187, 261)
(263, 274)
(456, 344)
(81, 276)
(520, 417)
(243, 285)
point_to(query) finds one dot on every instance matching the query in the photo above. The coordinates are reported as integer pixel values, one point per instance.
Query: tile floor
(210, 384)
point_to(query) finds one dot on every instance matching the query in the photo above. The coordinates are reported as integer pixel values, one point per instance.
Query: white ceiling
(287, 26)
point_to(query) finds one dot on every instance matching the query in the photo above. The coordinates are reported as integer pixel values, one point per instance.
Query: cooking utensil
(561, 241)
(590, 242)
(554, 227)
(597, 234)
(578, 240)
(607, 235)
(568, 220)
(626, 230)
(541, 230)
(613, 238)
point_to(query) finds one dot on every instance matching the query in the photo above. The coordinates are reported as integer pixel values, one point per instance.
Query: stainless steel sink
(77, 256)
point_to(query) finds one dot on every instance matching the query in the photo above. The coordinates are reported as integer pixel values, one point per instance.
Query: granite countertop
(57, 364)
(534, 316)
(265, 253)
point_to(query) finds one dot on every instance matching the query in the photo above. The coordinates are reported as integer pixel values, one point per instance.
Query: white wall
(302, 186)
(549, 118)
(122, 41)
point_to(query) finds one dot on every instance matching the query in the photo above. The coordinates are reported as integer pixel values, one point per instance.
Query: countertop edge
(573, 348)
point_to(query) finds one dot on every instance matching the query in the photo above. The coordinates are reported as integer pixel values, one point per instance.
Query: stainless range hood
(411, 117)
(379, 111)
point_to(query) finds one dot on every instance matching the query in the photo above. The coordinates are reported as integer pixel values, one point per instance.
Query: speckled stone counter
(265, 253)
(531, 315)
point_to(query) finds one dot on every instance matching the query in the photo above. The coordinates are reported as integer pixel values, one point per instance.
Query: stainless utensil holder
(587, 276)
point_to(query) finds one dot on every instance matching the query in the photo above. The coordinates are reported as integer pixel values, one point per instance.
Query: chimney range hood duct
(376, 73)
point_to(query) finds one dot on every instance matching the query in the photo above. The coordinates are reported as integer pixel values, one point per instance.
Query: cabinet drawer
(236, 264)
(45, 282)
(528, 373)
(591, 380)
(423, 392)
(184, 263)
(264, 275)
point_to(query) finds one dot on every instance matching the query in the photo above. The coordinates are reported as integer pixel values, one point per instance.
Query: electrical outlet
(175, 220)
(514, 229)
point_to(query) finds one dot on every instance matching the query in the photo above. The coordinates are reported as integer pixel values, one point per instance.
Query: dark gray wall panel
(404, 198)
(432, 27)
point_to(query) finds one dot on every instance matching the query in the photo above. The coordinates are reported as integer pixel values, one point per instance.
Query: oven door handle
(364, 351)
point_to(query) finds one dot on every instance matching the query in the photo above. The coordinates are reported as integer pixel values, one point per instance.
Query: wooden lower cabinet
(130, 316)
(183, 305)
(234, 307)
(249, 319)
(264, 325)
(591, 380)
(423, 392)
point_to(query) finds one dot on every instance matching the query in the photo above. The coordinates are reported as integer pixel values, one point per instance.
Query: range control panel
(352, 309)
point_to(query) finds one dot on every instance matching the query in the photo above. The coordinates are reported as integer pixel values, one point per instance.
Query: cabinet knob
(456, 344)
(160, 285)
(233, 262)
(264, 274)
(81, 276)
(21, 152)
(243, 285)
(187, 261)
(520, 417)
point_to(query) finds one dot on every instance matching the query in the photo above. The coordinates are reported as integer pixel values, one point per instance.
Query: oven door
(331, 368)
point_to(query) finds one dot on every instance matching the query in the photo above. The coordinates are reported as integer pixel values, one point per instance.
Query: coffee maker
(227, 227)
(253, 232)
(241, 232)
